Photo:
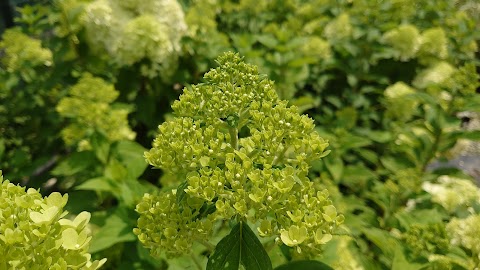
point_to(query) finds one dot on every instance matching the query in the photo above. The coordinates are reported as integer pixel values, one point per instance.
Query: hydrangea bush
(137, 31)
(34, 233)
(89, 105)
(241, 154)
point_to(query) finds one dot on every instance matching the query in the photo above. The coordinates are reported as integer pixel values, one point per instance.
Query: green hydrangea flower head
(35, 235)
(434, 46)
(399, 103)
(405, 40)
(317, 47)
(89, 107)
(434, 75)
(23, 53)
(239, 152)
(426, 239)
(339, 28)
(446, 193)
(133, 31)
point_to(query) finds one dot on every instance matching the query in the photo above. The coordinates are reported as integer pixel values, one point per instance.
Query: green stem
(233, 137)
(195, 261)
(438, 135)
(210, 247)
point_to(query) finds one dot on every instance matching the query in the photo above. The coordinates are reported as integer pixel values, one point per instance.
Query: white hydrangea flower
(466, 233)
(436, 74)
(132, 31)
(446, 192)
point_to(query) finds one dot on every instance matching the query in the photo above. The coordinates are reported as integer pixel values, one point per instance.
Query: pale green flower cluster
(466, 232)
(339, 28)
(136, 30)
(434, 74)
(35, 235)
(429, 46)
(434, 45)
(406, 41)
(23, 53)
(400, 104)
(317, 47)
(453, 193)
(241, 153)
(89, 106)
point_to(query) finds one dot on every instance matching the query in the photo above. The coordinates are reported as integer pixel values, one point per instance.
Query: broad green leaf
(470, 135)
(306, 102)
(421, 216)
(132, 191)
(117, 227)
(400, 261)
(351, 141)
(75, 163)
(375, 135)
(116, 171)
(97, 184)
(335, 167)
(357, 176)
(101, 147)
(268, 40)
(130, 154)
(382, 239)
(304, 265)
(240, 246)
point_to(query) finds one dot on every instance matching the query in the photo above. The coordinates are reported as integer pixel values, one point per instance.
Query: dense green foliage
(84, 85)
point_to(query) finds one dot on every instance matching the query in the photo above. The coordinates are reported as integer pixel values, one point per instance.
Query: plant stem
(207, 244)
(195, 261)
(233, 137)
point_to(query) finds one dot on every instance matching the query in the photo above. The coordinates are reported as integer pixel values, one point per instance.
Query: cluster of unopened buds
(238, 152)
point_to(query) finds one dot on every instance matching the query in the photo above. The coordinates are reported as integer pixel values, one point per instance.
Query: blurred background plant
(392, 84)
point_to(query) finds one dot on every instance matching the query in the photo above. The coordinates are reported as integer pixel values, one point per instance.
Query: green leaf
(375, 135)
(400, 261)
(101, 147)
(241, 245)
(96, 184)
(305, 102)
(335, 167)
(268, 40)
(470, 135)
(130, 154)
(382, 239)
(75, 163)
(117, 227)
(116, 171)
(304, 265)
(181, 192)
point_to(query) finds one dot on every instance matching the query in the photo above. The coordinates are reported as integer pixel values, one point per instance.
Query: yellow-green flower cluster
(434, 45)
(34, 235)
(453, 193)
(240, 152)
(89, 107)
(430, 46)
(466, 233)
(406, 41)
(317, 47)
(339, 28)
(23, 53)
(425, 239)
(132, 31)
(434, 74)
(400, 104)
